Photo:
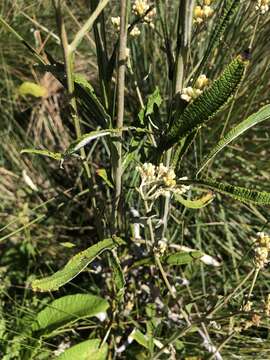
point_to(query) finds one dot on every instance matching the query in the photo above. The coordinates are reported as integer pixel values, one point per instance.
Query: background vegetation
(47, 213)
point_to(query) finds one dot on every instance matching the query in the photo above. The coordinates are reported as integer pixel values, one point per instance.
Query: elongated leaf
(254, 119)
(75, 265)
(69, 308)
(86, 350)
(207, 104)
(118, 276)
(85, 92)
(85, 139)
(53, 155)
(196, 204)
(182, 257)
(239, 193)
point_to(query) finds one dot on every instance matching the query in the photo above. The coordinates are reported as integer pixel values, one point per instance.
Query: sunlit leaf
(86, 350)
(67, 309)
(103, 174)
(30, 88)
(75, 265)
(254, 119)
(196, 204)
(53, 155)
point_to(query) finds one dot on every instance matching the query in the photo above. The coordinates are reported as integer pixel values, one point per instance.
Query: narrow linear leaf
(182, 257)
(69, 308)
(239, 193)
(118, 276)
(53, 155)
(75, 265)
(196, 204)
(254, 119)
(202, 109)
(85, 93)
(86, 350)
(86, 139)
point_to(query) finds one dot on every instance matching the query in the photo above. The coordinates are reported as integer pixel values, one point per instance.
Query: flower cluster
(189, 93)
(140, 7)
(263, 6)
(116, 22)
(160, 179)
(201, 13)
(262, 248)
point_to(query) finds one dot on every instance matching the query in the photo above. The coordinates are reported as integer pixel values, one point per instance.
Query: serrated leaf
(239, 193)
(182, 257)
(195, 204)
(67, 309)
(86, 350)
(75, 265)
(53, 155)
(205, 106)
(254, 119)
(30, 88)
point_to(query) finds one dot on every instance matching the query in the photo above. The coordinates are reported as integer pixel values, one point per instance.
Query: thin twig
(120, 103)
(88, 25)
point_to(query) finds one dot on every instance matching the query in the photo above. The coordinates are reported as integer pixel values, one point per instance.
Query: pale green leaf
(254, 119)
(86, 350)
(103, 174)
(67, 309)
(195, 204)
(53, 155)
(182, 257)
(75, 265)
(30, 88)
(140, 338)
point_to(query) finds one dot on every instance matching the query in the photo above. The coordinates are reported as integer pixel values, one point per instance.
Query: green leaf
(103, 174)
(86, 138)
(75, 265)
(53, 155)
(86, 350)
(67, 309)
(140, 338)
(195, 204)
(239, 193)
(182, 257)
(30, 88)
(118, 276)
(202, 109)
(254, 119)
(86, 94)
(153, 99)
